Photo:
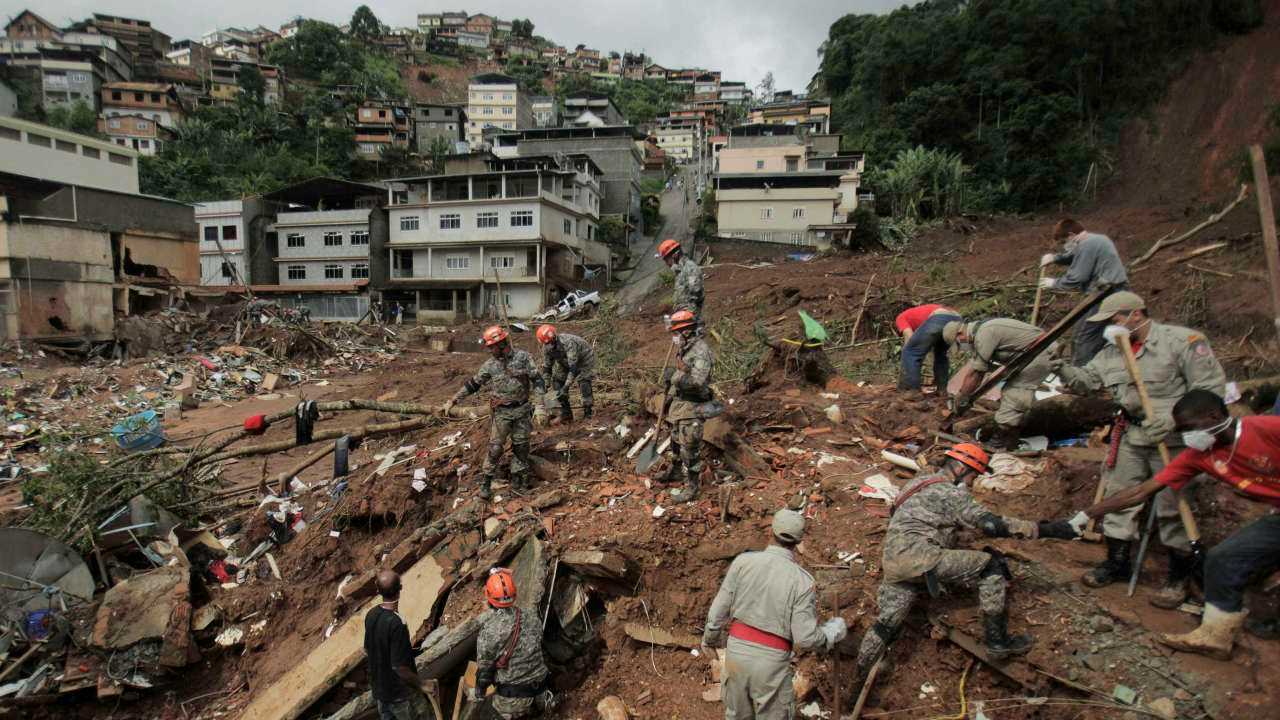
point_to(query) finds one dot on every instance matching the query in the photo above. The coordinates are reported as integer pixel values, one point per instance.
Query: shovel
(649, 453)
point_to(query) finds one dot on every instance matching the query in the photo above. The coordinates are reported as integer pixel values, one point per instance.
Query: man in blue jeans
(921, 331)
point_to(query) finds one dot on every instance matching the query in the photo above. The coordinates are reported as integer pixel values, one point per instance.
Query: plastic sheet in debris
(879, 487)
(1009, 474)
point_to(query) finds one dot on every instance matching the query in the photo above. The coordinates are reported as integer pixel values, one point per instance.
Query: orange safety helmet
(494, 335)
(500, 588)
(971, 455)
(667, 247)
(547, 334)
(683, 319)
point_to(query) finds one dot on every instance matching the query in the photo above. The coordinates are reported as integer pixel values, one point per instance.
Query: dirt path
(648, 270)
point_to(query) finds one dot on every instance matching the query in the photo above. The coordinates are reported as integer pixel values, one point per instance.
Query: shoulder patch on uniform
(1202, 348)
(1194, 337)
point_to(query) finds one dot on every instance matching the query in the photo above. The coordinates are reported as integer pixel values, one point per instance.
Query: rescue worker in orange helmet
(509, 653)
(688, 391)
(566, 359)
(511, 376)
(919, 553)
(687, 293)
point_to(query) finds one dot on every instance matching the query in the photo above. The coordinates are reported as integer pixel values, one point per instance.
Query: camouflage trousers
(559, 375)
(957, 569)
(1135, 464)
(1019, 392)
(509, 423)
(510, 708)
(686, 441)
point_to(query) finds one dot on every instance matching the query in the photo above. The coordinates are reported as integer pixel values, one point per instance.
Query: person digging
(1244, 454)
(688, 385)
(567, 359)
(509, 653)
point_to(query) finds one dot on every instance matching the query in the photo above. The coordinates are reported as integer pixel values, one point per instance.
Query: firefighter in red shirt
(921, 331)
(1245, 454)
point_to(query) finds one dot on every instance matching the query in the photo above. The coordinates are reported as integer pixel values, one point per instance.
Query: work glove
(1047, 259)
(447, 407)
(1113, 333)
(1078, 522)
(834, 630)
(667, 375)
(475, 695)
(1048, 283)
(539, 416)
(1058, 529)
(714, 639)
(1158, 426)
(960, 404)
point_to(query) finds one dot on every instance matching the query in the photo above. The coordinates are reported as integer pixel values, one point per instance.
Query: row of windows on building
(489, 96)
(453, 221)
(229, 232)
(332, 238)
(504, 125)
(505, 111)
(331, 272)
(45, 141)
(403, 260)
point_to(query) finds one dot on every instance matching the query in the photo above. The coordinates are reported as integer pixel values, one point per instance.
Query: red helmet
(683, 319)
(494, 335)
(547, 334)
(667, 247)
(971, 455)
(500, 588)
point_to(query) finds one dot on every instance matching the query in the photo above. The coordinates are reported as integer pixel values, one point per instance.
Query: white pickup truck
(570, 305)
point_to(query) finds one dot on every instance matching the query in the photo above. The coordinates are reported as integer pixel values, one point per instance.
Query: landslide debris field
(624, 578)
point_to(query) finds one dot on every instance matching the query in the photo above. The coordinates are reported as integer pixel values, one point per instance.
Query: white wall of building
(48, 153)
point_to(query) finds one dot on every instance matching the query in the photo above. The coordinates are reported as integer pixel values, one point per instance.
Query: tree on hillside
(79, 117)
(365, 25)
(527, 75)
(253, 87)
(764, 89)
(321, 53)
(522, 28)
(439, 150)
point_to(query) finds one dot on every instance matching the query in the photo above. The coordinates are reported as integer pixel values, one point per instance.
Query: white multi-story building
(495, 100)
(221, 228)
(323, 246)
(528, 225)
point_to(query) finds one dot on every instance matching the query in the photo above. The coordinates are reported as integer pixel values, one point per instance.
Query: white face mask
(1203, 440)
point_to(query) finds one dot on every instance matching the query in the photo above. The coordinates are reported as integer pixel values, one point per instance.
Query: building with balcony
(145, 45)
(156, 101)
(220, 225)
(380, 125)
(67, 67)
(224, 80)
(546, 113)
(495, 100)
(591, 109)
(520, 233)
(788, 108)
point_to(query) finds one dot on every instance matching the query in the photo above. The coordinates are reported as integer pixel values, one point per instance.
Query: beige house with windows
(495, 100)
(519, 233)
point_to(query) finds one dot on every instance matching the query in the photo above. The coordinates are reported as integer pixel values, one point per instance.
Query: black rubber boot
(521, 482)
(586, 412)
(688, 493)
(566, 414)
(1174, 592)
(1116, 567)
(486, 487)
(1006, 438)
(1000, 644)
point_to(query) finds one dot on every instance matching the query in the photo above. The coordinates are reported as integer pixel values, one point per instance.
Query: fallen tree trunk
(1162, 244)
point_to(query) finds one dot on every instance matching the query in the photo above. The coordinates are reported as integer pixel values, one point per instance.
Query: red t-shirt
(1254, 469)
(912, 318)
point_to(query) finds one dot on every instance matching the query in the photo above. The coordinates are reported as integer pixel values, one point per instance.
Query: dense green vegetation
(324, 55)
(1027, 94)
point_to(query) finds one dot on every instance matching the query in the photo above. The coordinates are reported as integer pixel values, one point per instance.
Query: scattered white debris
(813, 711)
(659, 511)
(830, 396)
(229, 637)
(419, 486)
(826, 458)
(419, 473)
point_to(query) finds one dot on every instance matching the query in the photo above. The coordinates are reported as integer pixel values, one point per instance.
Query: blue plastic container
(139, 432)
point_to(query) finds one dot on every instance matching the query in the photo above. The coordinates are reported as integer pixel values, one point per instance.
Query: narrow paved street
(676, 223)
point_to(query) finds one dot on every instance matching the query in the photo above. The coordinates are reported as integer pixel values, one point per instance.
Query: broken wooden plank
(596, 563)
(1013, 668)
(325, 666)
(657, 636)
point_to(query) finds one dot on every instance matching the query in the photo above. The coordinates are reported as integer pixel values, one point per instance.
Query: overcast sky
(743, 38)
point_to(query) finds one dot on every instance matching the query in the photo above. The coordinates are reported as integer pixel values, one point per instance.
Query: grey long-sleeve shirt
(768, 591)
(1094, 263)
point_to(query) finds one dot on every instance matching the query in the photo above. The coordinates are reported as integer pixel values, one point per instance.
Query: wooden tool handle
(1035, 308)
(1131, 363)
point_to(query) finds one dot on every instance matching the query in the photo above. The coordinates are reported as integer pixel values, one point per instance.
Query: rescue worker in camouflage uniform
(509, 653)
(991, 343)
(510, 375)
(919, 554)
(766, 610)
(688, 284)
(567, 359)
(1172, 361)
(688, 385)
